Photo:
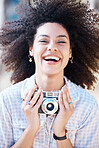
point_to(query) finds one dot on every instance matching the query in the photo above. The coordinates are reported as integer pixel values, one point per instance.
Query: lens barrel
(50, 106)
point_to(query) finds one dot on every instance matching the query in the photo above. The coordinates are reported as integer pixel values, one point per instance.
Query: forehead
(52, 29)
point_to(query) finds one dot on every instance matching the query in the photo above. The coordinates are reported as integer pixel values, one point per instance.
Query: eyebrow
(44, 35)
(62, 36)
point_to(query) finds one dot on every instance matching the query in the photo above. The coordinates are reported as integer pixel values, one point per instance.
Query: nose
(52, 46)
(52, 49)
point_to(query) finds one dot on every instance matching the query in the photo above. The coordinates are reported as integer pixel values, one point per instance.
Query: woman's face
(51, 49)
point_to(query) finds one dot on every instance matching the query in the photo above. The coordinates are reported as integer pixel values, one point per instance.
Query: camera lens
(50, 106)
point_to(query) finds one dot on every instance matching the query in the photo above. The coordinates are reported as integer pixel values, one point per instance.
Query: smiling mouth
(52, 59)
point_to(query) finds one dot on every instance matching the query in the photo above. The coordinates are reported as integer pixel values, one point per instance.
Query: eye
(43, 41)
(62, 42)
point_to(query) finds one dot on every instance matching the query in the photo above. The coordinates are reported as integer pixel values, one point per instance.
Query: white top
(83, 125)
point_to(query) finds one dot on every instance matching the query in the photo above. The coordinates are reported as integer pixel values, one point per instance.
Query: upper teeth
(52, 57)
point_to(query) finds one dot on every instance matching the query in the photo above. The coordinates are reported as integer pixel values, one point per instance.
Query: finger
(36, 97)
(39, 102)
(60, 98)
(65, 98)
(30, 94)
(68, 94)
(26, 94)
(69, 98)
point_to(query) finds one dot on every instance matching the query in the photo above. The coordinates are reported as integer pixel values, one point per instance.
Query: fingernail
(40, 89)
(41, 95)
(61, 92)
(62, 88)
(65, 86)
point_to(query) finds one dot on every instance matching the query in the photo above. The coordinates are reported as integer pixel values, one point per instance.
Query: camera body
(49, 105)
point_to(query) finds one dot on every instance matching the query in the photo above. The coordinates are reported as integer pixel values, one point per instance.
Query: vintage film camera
(49, 105)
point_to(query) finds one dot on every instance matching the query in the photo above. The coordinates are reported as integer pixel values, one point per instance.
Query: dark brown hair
(81, 23)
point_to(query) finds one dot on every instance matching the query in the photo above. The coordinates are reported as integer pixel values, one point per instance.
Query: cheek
(37, 55)
(66, 52)
(66, 56)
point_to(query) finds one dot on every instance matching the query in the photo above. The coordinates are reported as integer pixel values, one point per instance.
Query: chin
(52, 72)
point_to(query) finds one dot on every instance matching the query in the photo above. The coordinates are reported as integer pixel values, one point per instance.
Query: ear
(31, 51)
(70, 53)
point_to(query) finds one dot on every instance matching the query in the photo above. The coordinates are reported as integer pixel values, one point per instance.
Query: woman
(62, 38)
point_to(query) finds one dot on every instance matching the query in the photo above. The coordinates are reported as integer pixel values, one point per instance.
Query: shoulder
(84, 103)
(79, 94)
(14, 91)
(10, 93)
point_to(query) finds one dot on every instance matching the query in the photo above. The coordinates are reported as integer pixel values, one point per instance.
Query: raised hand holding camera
(66, 109)
(30, 108)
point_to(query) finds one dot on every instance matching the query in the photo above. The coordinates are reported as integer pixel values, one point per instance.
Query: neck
(50, 83)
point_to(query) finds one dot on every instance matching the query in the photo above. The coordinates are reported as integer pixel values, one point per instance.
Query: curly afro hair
(81, 23)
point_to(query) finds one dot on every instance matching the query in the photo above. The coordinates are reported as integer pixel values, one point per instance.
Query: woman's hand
(30, 108)
(66, 109)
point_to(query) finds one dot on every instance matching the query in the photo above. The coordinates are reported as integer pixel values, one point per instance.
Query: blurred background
(7, 12)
